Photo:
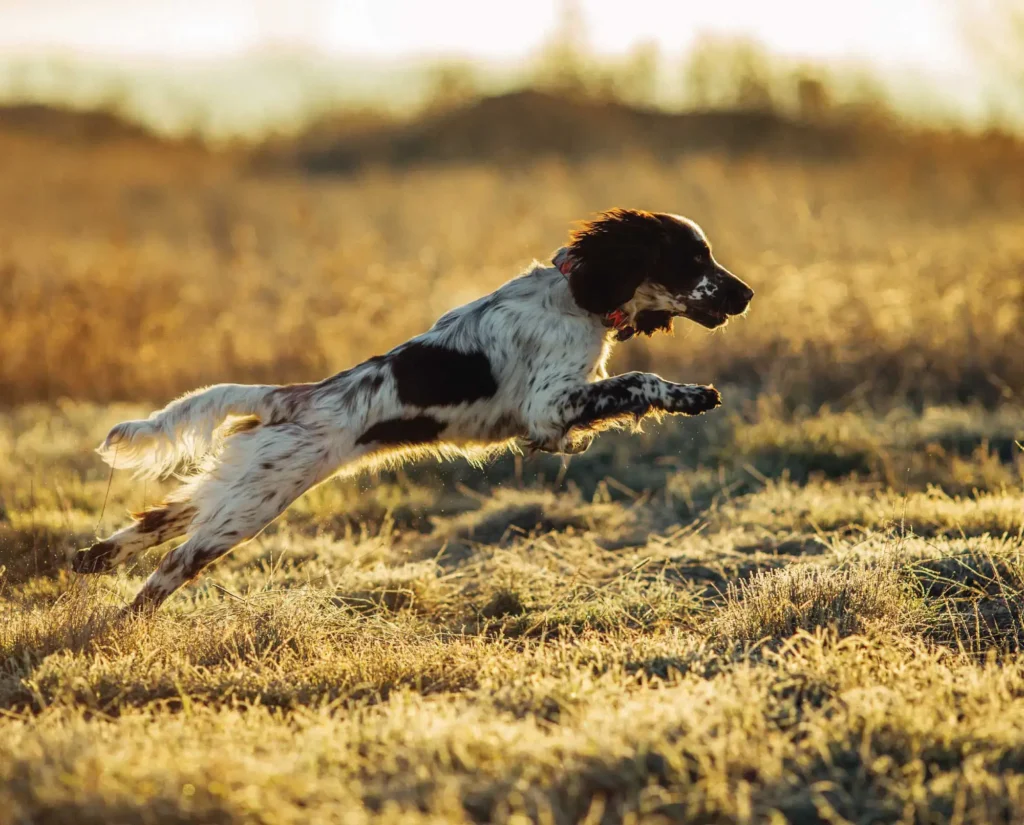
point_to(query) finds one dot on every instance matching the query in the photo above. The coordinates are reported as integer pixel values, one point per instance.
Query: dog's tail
(183, 431)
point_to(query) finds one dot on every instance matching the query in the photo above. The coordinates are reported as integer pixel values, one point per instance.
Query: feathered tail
(183, 431)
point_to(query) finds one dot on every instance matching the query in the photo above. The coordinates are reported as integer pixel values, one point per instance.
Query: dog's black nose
(737, 299)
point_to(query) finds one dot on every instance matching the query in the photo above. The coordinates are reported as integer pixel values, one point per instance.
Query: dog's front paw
(692, 399)
(97, 559)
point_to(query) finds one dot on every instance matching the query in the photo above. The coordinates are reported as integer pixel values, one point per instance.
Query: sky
(922, 33)
(179, 56)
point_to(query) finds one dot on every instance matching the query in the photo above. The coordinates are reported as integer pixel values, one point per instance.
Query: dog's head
(653, 266)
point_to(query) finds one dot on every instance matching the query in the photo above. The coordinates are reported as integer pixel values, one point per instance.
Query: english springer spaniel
(523, 366)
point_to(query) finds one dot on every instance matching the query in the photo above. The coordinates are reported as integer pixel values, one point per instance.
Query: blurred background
(807, 606)
(252, 190)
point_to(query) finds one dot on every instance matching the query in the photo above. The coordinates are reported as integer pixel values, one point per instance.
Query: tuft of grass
(977, 600)
(774, 605)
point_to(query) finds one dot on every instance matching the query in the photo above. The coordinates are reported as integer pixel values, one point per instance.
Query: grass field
(805, 607)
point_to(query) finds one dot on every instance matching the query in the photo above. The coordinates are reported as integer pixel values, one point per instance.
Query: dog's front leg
(633, 396)
(579, 412)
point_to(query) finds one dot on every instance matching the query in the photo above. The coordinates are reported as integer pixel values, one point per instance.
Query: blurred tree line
(718, 72)
(994, 33)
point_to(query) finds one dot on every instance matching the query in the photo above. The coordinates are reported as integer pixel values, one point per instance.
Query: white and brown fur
(525, 364)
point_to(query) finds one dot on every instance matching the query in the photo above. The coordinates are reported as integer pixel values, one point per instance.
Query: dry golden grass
(711, 645)
(781, 612)
(130, 276)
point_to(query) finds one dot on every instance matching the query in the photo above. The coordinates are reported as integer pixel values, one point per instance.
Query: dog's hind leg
(257, 477)
(151, 527)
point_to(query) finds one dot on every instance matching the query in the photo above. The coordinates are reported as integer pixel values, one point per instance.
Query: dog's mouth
(709, 318)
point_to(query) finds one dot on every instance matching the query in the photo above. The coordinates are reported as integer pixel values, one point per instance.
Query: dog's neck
(618, 319)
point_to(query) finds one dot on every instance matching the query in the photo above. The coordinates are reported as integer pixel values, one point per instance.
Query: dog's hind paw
(97, 559)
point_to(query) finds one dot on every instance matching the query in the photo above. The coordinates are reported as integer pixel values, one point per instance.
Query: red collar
(617, 318)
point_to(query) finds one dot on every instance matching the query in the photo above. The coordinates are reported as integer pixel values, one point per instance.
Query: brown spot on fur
(241, 425)
(151, 519)
(154, 518)
(147, 601)
(288, 400)
(196, 564)
(374, 382)
(403, 431)
(172, 561)
(428, 375)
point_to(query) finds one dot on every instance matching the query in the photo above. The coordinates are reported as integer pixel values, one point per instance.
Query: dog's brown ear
(612, 255)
